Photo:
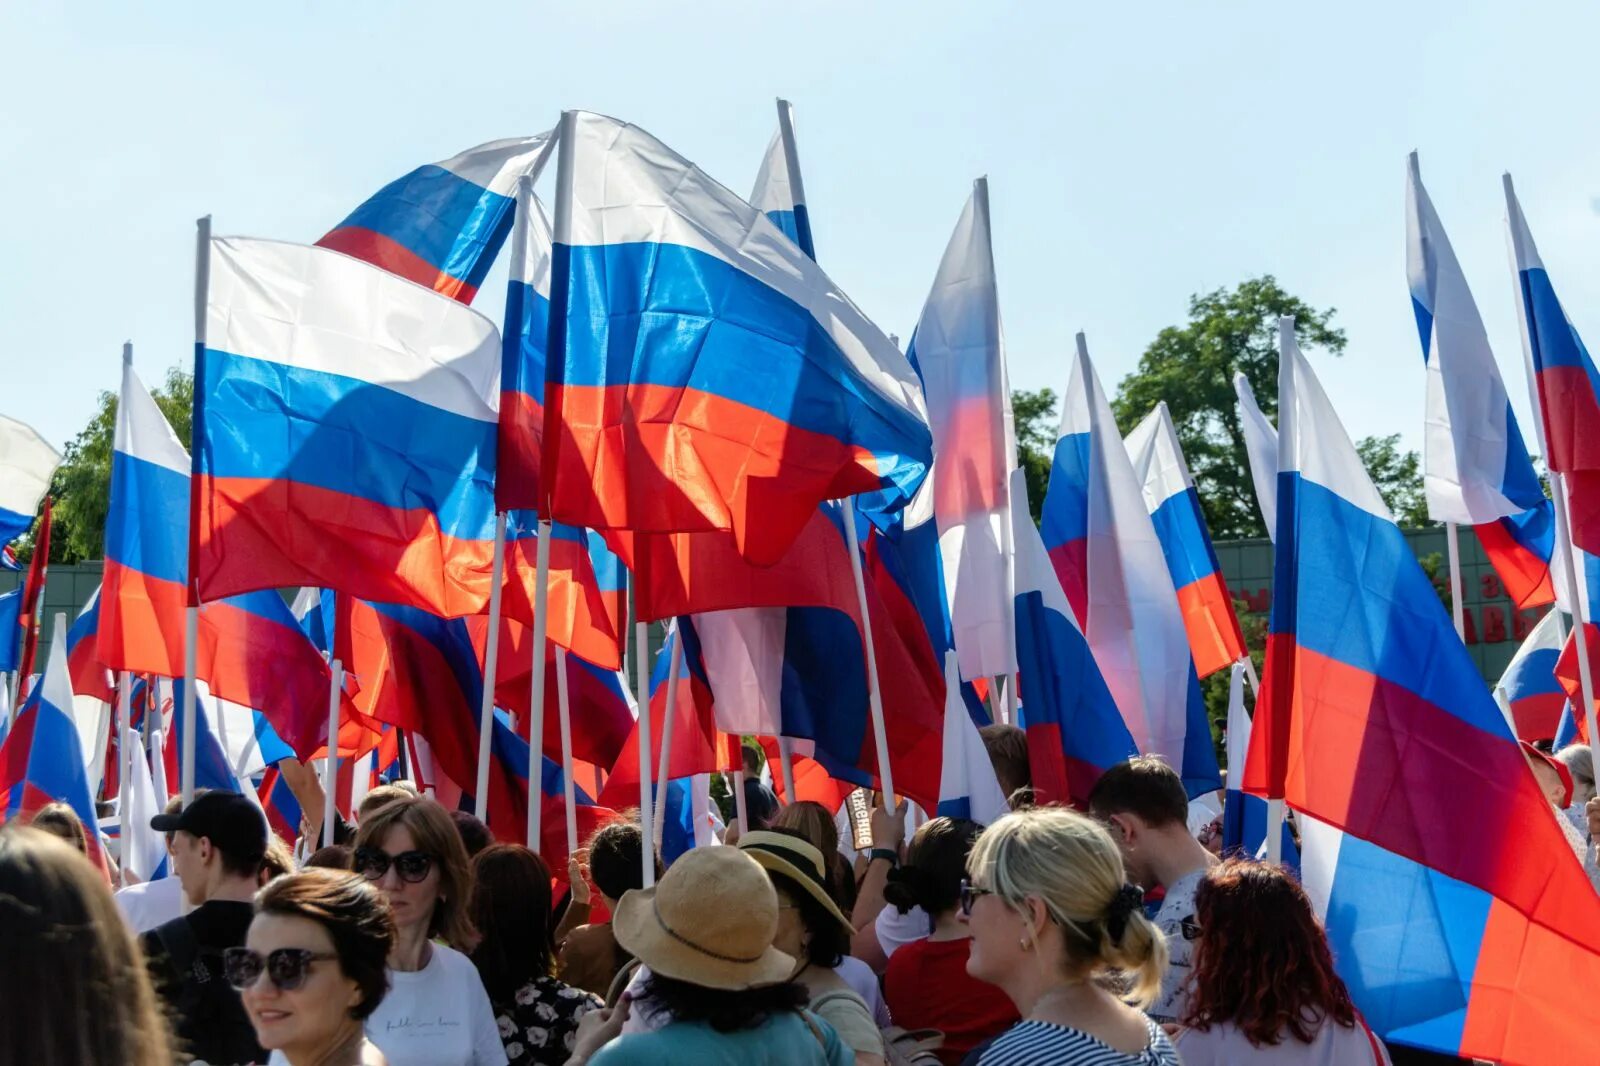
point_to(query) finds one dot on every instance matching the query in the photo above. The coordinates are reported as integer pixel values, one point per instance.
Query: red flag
(31, 591)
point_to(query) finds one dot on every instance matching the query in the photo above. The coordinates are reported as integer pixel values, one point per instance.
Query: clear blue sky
(1137, 153)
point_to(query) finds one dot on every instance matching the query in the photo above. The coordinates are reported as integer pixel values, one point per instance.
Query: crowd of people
(1108, 937)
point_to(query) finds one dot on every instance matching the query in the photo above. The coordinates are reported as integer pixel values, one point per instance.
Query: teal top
(782, 1040)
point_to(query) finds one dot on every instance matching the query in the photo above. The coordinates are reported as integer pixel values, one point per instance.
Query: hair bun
(904, 888)
(1129, 898)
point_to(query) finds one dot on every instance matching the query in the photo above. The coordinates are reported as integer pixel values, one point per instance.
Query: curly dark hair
(724, 1011)
(1262, 961)
(356, 914)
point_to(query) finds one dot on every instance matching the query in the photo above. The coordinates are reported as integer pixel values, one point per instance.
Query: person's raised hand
(889, 827)
(1592, 810)
(578, 882)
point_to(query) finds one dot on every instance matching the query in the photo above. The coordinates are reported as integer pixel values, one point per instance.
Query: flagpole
(741, 814)
(1452, 542)
(1288, 459)
(1558, 494)
(124, 754)
(491, 662)
(330, 765)
(541, 599)
(874, 694)
(191, 621)
(786, 766)
(569, 786)
(669, 714)
(641, 657)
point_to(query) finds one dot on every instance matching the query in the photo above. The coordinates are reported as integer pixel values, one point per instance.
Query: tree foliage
(82, 484)
(1398, 477)
(1191, 367)
(1033, 414)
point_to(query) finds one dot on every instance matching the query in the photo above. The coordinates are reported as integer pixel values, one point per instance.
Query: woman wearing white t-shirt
(437, 1012)
(1263, 988)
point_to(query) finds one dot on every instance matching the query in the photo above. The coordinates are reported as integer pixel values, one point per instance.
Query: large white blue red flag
(959, 354)
(1244, 815)
(1109, 559)
(1180, 523)
(345, 422)
(27, 462)
(250, 649)
(442, 224)
(1528, 691)
(525, 337)
(1563, 379)
(968, 787)
(1375, 726)
(667, 289)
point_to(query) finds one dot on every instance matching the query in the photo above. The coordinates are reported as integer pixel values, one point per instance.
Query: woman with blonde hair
(437, 1012)
(1056, 926)
(73, 988)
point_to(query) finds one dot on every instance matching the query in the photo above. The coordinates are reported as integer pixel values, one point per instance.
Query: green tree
(1398, 477)
(82, 484)
(1033, 414)
(1191, 367)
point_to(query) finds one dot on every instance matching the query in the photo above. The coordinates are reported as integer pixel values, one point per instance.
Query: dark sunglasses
(969, 893)
(286, 967)
(412, 866)
(1190, 928)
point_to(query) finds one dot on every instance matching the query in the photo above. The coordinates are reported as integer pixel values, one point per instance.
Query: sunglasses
(412, 866)
(286, 967)
(969, 893)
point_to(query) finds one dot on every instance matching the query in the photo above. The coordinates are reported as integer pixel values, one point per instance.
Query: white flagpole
(874, 694)
(641, 663)
(191, 620)
(1452, 543)
(786, 767)
(569, 785)
(124, 755)
(541, 598)
(741, 814)
(330, 765)
(491, 661)
(1558, 486)
(669, 713)
(1288, 459)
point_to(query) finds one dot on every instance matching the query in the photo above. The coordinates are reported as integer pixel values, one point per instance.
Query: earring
(1024, 944)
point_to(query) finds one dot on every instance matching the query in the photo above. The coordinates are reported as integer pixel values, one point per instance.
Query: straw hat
(797, 860)
(710, 922)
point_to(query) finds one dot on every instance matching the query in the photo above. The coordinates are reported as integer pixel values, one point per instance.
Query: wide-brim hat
(710, 921)
(797, 860)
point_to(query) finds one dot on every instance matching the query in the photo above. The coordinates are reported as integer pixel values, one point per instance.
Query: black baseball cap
(232, 823)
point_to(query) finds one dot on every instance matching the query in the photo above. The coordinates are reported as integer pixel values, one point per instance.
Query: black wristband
(884, 853)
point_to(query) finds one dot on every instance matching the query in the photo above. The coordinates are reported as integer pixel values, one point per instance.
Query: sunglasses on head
(286, 967)
(412, 866)
(969, 894)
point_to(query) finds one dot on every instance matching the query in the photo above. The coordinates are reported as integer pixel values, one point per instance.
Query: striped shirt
(1030, 1043)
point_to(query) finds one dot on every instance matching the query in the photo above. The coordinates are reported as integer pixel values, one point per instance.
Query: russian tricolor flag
(42, 758)
(1476, 467)
(525, 337)
(443, 224)
(1261, 449)
(251, 650)
(959, 354)
(89, 675)
(667, 289)
(1377, 728)
(585, 602)
(1244, 814)
(1110, 562)
(27, 462)
(1075, 731)
(1528, 691)
(1180, 524)
(1565, 383)
(346, 423)
(10, 630)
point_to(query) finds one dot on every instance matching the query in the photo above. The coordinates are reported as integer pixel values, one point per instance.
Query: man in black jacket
(218, 842)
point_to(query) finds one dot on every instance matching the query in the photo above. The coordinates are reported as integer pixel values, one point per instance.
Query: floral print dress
(540, 1023)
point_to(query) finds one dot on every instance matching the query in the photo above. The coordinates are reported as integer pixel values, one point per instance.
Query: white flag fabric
(968, 787)
(27, 462)
(1475, 465)
(1261, 446)
(143, 848)
(959, 353)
